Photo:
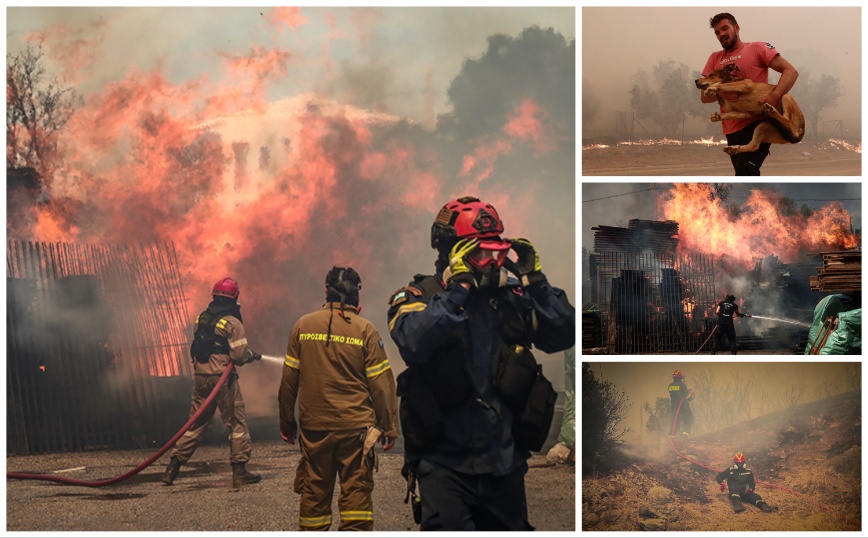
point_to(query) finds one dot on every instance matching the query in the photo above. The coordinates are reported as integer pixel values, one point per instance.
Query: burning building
(97, 350)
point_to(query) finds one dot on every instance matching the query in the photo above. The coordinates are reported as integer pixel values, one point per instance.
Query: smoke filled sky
(270, 143)
(619, 41)
(619, 210)
(646, 381)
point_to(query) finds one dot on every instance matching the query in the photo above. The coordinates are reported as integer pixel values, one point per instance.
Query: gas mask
(486, 263)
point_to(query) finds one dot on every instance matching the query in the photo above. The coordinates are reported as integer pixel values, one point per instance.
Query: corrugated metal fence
(652, 302)
(97, 346)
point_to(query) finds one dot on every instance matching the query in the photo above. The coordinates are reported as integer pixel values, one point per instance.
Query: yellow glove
(458, 269)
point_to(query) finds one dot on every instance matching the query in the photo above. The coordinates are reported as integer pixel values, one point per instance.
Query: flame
(269, 191)
(42, 367)
(759, 230)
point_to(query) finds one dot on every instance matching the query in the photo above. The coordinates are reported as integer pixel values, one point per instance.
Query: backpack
(206, 342)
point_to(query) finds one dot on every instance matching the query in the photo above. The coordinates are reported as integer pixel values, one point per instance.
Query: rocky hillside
(809, 456)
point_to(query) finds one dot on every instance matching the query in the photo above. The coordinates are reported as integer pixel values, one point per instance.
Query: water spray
(783, 320)
(272, 358)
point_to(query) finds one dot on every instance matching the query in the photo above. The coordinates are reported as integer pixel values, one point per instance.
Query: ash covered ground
(202, 498)
(829, 158)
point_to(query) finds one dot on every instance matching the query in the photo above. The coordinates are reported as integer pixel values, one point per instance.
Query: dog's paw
(711, 91)
(714, 116)
(731, 150)
(769, 110)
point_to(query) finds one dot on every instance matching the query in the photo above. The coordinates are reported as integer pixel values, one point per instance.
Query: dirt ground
(202, 498)
(803, 159)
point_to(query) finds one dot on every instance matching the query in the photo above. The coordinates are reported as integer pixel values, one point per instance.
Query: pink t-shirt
(753, 61)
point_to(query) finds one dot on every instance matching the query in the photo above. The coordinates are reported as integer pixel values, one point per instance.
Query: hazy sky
(646, 381)
(619, 210)
(618, 41)
(400, 47)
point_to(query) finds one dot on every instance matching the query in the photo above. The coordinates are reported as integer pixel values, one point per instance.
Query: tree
(660, 418)
(37, 109)
(604, 409)
(666, 97)
(815, 94)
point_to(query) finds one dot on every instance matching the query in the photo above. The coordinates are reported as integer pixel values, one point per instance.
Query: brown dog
(787, 127)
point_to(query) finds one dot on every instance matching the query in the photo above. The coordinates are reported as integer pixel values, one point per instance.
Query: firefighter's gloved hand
(748, 490)
(388, 442)
(722, 488)
(458, 270)
(289, 431)
(371, 436)
(527, 266)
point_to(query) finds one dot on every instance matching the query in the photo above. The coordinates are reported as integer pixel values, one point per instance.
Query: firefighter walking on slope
(680, 397)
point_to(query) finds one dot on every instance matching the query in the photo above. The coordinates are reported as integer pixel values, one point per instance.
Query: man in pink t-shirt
(753, 61)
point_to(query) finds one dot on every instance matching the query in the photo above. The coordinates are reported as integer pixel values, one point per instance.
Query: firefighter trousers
(326, 456)
(454, 501)
(231, 405)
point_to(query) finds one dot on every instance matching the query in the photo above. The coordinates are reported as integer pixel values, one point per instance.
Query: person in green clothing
(565, 448)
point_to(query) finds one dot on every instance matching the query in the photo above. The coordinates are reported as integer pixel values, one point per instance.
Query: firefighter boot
(763, 506)
(241, 476)
(172, 471)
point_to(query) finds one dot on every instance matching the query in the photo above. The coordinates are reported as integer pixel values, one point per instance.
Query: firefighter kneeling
(741, 484)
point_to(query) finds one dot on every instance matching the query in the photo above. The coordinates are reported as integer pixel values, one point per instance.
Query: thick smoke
(274, 192)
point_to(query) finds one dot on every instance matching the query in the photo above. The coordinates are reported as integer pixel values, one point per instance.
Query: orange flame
(759, 229)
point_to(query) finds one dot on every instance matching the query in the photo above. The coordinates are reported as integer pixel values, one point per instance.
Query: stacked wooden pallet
(841, 272)
(660, 237)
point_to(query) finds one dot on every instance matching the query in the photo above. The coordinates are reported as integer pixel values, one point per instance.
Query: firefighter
(680, 397)
(337, 370)
(218, 338)
(726, 311)
(741, 484)
(463, 444)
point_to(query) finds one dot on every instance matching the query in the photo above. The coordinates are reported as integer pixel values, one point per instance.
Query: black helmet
(343, 284)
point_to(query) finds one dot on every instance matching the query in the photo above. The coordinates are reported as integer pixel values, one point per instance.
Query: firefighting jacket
(229, 327)
(728, 310)
(678, 390)
(347, 384)
(737, 479)
(460, 327)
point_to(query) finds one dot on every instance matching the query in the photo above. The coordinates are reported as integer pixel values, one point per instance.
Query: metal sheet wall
(653, 303)
(96, 346)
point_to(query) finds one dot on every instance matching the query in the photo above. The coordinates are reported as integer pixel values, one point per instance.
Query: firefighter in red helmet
(741, 482)
(460, 332)
(680, 398)
(218, 338)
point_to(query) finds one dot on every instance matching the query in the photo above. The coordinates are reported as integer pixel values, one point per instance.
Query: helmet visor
(489, 255)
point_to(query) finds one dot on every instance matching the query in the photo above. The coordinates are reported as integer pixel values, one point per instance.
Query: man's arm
(788, 78)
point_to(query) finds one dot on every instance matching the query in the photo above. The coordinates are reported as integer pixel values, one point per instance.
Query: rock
(661, 502)
(653, 524)
(590, 519)
(644, 511)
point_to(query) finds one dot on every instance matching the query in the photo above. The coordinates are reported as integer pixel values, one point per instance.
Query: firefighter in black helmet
(726, 311)
(741, 484)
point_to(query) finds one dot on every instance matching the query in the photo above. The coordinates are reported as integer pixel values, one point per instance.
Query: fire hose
(797, 494)
(99, 483)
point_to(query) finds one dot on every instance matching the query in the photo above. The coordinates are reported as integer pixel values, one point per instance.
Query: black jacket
(728, 311)
(737, 480)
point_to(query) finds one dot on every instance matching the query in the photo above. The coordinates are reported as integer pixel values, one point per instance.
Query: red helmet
(466, 217)
(226, 288)
(677, 374)
(739, 458)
